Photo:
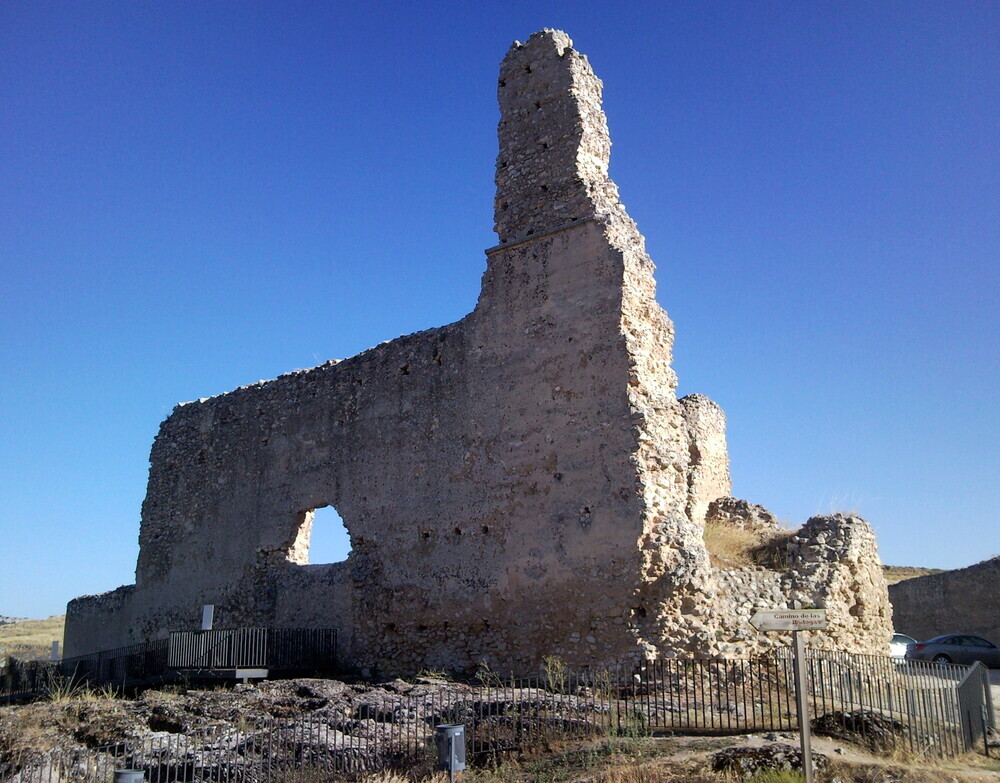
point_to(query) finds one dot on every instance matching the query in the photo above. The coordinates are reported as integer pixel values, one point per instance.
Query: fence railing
(122, 666)
(975, 705)
(19, 679)
(186, 653)
(221, 649)
(890, 704)
(713, 696)
(926, 709)
(279, 649)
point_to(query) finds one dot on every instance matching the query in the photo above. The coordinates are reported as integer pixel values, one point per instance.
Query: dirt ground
(87, 720)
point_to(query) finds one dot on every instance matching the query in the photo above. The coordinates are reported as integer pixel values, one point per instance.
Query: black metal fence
(311, 650)
(920, 707)
(121, 667)
(890, 704)
(21, 679)
(925, 709)
(281, 651)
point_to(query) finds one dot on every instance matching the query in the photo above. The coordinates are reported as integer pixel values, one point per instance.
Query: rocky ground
(84, 719)
(359, 718)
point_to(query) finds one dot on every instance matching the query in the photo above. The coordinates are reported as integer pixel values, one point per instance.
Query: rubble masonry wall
(517, 484)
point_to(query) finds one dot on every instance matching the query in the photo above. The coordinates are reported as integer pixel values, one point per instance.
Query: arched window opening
(327, 537)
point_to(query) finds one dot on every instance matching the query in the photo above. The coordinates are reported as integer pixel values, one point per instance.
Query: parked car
(955, 648)
(898, 645)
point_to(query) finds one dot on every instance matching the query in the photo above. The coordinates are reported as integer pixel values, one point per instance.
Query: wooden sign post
(796, 621)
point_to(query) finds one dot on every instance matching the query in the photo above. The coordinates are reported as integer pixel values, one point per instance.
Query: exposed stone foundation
(520, 483)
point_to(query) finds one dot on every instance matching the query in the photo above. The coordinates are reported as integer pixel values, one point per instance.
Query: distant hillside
(31, 639)
(896, 574)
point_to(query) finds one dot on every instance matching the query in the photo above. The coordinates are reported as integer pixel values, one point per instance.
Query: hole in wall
(322, 538)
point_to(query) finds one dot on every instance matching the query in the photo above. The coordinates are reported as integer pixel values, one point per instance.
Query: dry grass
(665, 769)
(734, 547)
(728, 546)
(894, 574)
(31, 639)
(67, 692)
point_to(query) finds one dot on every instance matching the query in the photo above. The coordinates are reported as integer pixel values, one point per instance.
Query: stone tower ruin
(520, 483)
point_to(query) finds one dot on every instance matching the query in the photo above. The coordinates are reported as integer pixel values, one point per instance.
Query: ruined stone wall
(516, 484)
(961, 601)
(99, 622)
(831, 562)
(482, 469)
(464, 462)
(708, 456)
(552, 169)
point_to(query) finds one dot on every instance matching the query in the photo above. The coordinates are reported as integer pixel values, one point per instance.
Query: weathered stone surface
(708, 466)
(960, 601)
(552, 169)
(832, 562)
(742, 514)
(747, 761)
(520, 483)
(251, 732)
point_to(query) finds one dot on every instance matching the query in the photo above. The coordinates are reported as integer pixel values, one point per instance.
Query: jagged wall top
(552, 169)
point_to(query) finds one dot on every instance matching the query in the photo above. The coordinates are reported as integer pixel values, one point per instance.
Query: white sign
(789, 619)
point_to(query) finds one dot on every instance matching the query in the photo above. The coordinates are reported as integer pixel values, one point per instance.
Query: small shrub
(434, 674)
(63, 690)
(773, 553)
(487, 677)
(555, 673)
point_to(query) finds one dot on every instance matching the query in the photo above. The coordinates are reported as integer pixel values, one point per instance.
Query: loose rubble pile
(326, 724)
(742, 514)
(864, 727)
(746, 761)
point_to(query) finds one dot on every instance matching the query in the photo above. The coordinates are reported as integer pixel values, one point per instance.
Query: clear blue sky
(198, 195)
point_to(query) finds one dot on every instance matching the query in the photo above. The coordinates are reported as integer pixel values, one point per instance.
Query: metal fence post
(802, 704)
